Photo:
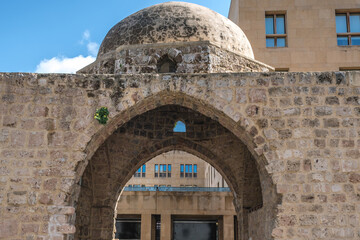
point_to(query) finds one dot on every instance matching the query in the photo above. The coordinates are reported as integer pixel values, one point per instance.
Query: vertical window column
(156, 172)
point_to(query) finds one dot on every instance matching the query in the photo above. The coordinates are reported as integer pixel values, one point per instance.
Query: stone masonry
(300, 131)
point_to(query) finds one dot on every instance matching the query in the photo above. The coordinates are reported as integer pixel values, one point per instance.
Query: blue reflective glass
(182, 168)
(179, 127)
(269, 24)
(355, 22)
(355, 40)
(195, 168)
(342, 41)
(169, 168)
(280, 24)
(341, 25)
(190, 168)
(139, 170)
(156, 168)
(270, 42)
(187, 168)
(144, 168)
(280, 42)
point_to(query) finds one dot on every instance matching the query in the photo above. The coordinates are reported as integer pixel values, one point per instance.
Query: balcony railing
(177, 189)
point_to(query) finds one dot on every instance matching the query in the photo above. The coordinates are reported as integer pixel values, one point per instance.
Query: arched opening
(175, 199)
(150, 134)
(179, 126)
(166, 65)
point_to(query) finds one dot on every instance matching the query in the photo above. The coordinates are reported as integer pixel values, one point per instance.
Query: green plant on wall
(102, 115)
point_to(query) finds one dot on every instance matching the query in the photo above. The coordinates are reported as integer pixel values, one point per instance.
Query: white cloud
(70, 65)
(63, 64)
(86, 35)
(92, 48)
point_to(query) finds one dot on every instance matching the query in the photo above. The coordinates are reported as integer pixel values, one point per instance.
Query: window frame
(275, 36)
(348, 34)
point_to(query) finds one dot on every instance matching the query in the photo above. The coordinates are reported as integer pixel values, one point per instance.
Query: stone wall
(302, 130)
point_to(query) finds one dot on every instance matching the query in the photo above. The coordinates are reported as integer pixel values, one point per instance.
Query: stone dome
(173, 22)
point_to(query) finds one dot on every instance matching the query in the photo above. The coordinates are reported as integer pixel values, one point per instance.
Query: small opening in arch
(166, 65)
(179, 127)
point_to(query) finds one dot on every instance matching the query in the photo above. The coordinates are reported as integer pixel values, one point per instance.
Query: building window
(141, 172)
(156, 170)
(275, 30)
(188, 170)
(182, 170)
(162, 170)
(195, 170)
(348, 28)
(169, 171)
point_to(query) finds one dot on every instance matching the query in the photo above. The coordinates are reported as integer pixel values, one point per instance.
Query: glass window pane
(269, 24)
(341, 26)
(169, 167)
(186, 168)
(144, 168)
(270, 42)
(156, 168)
(139, 170)
(190, 168)
(355, 22)
(280, 42)
(355, 40)
(280, 24)
(195, 168)
(182, 168)
(342, 41)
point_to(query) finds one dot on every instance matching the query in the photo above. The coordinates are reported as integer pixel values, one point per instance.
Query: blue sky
(55, 36)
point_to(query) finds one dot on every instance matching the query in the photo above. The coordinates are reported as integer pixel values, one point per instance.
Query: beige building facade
(171, 169)
(311, 29)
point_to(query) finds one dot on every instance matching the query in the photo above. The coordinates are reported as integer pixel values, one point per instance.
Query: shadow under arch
(243, 128)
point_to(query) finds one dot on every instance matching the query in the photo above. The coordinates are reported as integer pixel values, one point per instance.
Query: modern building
(172, 193)
(301, 35)
(171, 169)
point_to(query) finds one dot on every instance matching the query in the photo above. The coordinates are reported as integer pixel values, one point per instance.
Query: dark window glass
(270, 42)
(341, 26)
(269, 24)
(204, 230)
(128, 229)
(355, 22)
(280, 42)
(280, 24)
(342, 41)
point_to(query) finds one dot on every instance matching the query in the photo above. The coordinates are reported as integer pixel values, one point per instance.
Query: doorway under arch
(150, 134)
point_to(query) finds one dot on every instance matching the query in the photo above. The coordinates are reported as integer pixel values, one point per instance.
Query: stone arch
(106, 207)
(240, 126)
